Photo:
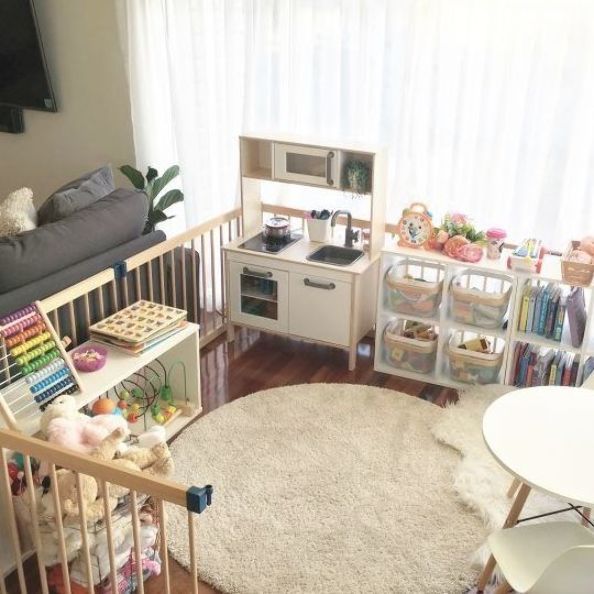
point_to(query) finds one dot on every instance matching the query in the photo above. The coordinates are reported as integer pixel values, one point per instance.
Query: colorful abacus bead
(15, 315)
(49, 380)
(54, 390)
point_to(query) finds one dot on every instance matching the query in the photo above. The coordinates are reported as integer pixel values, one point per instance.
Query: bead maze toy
(34, 367)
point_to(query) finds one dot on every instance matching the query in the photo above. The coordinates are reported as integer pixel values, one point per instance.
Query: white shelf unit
(181, 346)
(551, 272)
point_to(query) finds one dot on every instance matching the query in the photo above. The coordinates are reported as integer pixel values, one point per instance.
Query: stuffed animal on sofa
(61, 423)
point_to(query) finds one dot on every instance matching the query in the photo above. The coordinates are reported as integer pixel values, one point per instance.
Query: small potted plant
(152, 185)
(356, 174)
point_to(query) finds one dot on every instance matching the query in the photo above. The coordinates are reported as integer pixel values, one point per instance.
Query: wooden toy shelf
(181, 346)
(506, 334)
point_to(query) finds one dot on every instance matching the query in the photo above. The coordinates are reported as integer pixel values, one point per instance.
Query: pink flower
(442, 236)
(458, 219)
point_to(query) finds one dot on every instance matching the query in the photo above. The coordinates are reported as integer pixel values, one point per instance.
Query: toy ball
(122, 404)
(137, 393)
(124, 395)
(134, 407)
(103, 406)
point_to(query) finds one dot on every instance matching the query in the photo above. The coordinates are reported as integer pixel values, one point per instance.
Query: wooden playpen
(185, 271)
(162, 491)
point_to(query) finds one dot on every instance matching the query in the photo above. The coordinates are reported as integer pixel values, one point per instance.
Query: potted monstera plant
(153, 186)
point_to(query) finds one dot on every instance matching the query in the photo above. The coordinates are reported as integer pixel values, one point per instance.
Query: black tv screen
(24, 81)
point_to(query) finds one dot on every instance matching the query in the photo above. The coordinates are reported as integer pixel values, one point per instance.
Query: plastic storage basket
(413, 287)
(480, 299)
(473, 367)
(410, 354)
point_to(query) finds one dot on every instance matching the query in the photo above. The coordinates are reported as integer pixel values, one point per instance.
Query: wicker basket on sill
(576, 273)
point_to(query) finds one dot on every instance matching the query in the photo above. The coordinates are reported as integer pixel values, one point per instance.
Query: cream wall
(93, 125)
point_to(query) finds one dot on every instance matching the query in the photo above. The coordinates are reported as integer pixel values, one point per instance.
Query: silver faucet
(349, 235)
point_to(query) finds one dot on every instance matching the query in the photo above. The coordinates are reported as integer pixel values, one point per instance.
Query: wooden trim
(134, 480)
(113, 570)
(78, 290)
(60, 528)
(137, 543)
(164, 552)
(82, 511)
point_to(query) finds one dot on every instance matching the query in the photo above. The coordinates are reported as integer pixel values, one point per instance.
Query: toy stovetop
(140, 322)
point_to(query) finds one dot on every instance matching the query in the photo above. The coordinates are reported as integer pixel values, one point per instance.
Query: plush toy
(61, 423)
(587, 245)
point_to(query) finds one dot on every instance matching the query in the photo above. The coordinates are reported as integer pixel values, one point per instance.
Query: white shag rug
(325, 488)
(479, 481)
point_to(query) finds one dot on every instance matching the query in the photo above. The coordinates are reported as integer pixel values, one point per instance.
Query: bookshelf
(506, 335)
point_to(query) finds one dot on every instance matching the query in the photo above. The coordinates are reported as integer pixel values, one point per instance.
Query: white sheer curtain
(486, 106)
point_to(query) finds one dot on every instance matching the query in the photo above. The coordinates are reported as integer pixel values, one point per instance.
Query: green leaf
(151, 174)
(161, 182)
(134, 176)
(170, 198)
(157, 216)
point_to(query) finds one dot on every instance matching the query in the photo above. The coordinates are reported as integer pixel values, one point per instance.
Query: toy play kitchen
(318, 285)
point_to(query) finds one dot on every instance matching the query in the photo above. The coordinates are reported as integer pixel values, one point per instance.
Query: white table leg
(511, 520)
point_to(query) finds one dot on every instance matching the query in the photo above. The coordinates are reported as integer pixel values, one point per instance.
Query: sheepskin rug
(326, 488)
(479, 482)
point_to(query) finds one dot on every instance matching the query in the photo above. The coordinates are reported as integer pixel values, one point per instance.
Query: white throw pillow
(17, 213)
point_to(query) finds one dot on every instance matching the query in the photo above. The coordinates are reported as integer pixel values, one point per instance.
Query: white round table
(544, 437)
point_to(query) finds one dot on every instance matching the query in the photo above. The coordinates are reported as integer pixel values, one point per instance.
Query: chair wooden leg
(503, 588)
(511, 520)
(587, 512)
(513, 488)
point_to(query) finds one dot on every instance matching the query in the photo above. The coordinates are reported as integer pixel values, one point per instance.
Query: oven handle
(325, 286)
(329, 158)
(257, 273)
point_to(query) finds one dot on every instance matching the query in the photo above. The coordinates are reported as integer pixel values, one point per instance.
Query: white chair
(550, 558)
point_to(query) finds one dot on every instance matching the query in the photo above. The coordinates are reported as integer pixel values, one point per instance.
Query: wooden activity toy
(34, 368)
(139, 326)
(415, 228)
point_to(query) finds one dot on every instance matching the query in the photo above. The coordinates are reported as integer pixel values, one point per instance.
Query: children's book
(560, 321)
(574, 370)
(552, 312)
(588, 368)
(544, 308)
(537, 308)
(576, 314)
(524, 308)
(561, 369)
(554, 368)
(531, 306)
(566, 380)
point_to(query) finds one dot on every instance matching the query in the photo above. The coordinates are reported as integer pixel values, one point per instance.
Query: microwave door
(306, 165)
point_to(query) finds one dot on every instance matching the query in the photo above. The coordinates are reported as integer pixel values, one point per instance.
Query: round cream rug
(325, 488)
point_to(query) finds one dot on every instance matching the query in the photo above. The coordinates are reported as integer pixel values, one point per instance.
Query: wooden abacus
(34, 367)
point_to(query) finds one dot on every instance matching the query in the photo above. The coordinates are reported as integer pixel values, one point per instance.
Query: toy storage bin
(414, 287)
(410, 354)
(480, 299)
(473, 367)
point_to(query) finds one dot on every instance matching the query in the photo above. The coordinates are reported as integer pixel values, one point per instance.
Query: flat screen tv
(24, 80)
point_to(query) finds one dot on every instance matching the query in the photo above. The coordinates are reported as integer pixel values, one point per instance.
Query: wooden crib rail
(106, 474)
(185, 271)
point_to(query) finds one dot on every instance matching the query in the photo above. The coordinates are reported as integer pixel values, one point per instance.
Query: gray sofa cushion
(76, 195)
(111, 221)
(48, 285)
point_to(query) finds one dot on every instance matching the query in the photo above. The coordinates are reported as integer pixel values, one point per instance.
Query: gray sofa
(56, 255)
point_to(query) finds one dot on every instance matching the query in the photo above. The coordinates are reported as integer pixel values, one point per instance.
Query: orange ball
(103, 406)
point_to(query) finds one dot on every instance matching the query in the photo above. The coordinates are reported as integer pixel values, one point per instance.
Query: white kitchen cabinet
(320, 308)
(286, 294)
(259, 296)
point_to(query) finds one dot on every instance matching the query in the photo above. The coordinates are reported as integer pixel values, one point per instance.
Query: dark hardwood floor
(257, 361)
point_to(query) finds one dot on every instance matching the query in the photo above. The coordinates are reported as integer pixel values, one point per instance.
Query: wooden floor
(258, 361)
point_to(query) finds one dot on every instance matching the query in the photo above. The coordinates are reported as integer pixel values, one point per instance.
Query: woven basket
(576, 274)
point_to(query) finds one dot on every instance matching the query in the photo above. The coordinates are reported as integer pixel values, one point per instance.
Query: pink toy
(587, 245)
(470, 252)
(63, 424)
(89, 358)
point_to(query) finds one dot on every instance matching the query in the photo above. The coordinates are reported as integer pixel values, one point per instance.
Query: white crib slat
(213, 279)
(35, 524)
(183, 275)
(87, 310)
(101, 303)
(14, 533)
(173, 283)
(125, 290)
(82, 510)
(72, 323)
(113, 576)
(136, 536)
(60, 528)
(222, 277)
(164, 551)
(149, 273)
(138, 285)
(203, 292)
(193, 553)
(162, 279)
(194, 283)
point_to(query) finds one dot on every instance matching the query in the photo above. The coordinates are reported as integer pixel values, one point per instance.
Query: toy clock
(415, 228)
